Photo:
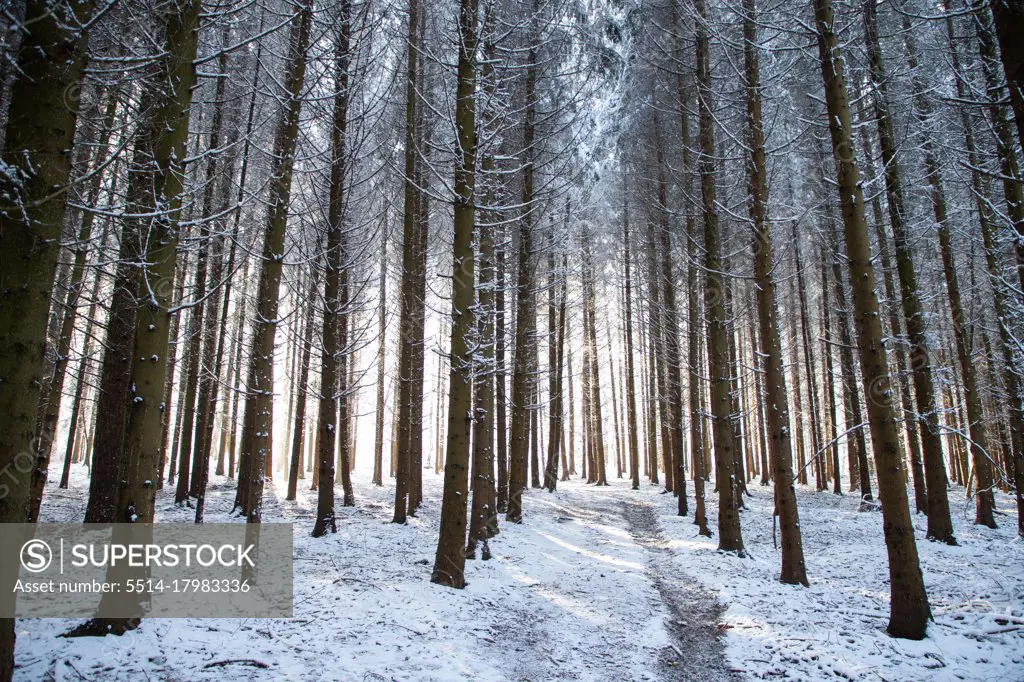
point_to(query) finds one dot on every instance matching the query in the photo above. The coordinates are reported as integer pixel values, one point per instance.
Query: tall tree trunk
(205, 315)
(909, 610)
(382, 328)
(808, 348)
(235, 368)
(216, 326)
(656, 353)
(418, 366)
(525, 312)
(84, 369)
(631, 419)
(600, 473)
(673, 402)
(694, 366)
(259, 405)
(236, 373)
(450, 560)
(483, 518)
(856, 446)
(729, 536)
(335, 326)
(793, 569)
(826, 351)
(298, 436)
(483, 521)
(39, 134)
(346, 391)
(893, 307)
(913, 312)
(616, 426)
(410, 307)
(571, 469)
(155, 197)
(557, 295)
(500, 403)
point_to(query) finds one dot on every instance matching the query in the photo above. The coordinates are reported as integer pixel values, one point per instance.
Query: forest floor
(596, 584)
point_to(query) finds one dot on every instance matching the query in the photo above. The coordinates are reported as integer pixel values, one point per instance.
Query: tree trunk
(525, 312)
(39, 134)
(259, 405)
(909, 611)
(1009, 17)
(378, 442)
(155, 194)
(450, 560)
(913, 312)
(411, 313)
(856, 446)
(893, 306)
(826, 351)
(729, 536)
(777, 406)
(500, 404)
(557, 295)
(81, 380)
(631, 422)
(335, 325)
(483, 518)
(295, 466)
(670, 335)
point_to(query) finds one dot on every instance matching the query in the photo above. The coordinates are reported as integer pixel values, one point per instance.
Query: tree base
(101, 627)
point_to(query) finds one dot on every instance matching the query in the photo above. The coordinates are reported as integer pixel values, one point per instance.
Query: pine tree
(909, 611)
(450, 560)
(256, 428)
(729, 536)
(777, 402)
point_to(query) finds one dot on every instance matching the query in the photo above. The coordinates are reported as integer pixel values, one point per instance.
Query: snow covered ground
(596, 584)
(835, 629)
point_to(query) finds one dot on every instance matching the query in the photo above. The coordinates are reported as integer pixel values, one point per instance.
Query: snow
(835, 629)
(571, 593)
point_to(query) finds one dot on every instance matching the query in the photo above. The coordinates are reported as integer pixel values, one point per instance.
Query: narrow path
(697, 652)
(601, 596)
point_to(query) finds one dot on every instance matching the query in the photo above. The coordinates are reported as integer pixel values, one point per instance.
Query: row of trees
(228, 228)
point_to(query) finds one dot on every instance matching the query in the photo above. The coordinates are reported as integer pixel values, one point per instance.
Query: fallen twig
(240, 661)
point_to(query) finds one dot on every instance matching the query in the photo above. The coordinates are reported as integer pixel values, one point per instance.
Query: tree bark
(525, 313)
(777, 406)
(1009, 17)
(631, 419)
(382, 328)
(335, 325)
(411, 307)
(450, 560)
(729, 537)
(259, 405)
(913, 312)
(909, 611)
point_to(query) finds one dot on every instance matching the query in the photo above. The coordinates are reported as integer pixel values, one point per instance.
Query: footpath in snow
(596, 584)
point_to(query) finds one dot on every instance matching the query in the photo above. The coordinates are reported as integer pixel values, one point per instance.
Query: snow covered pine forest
(585, 340)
